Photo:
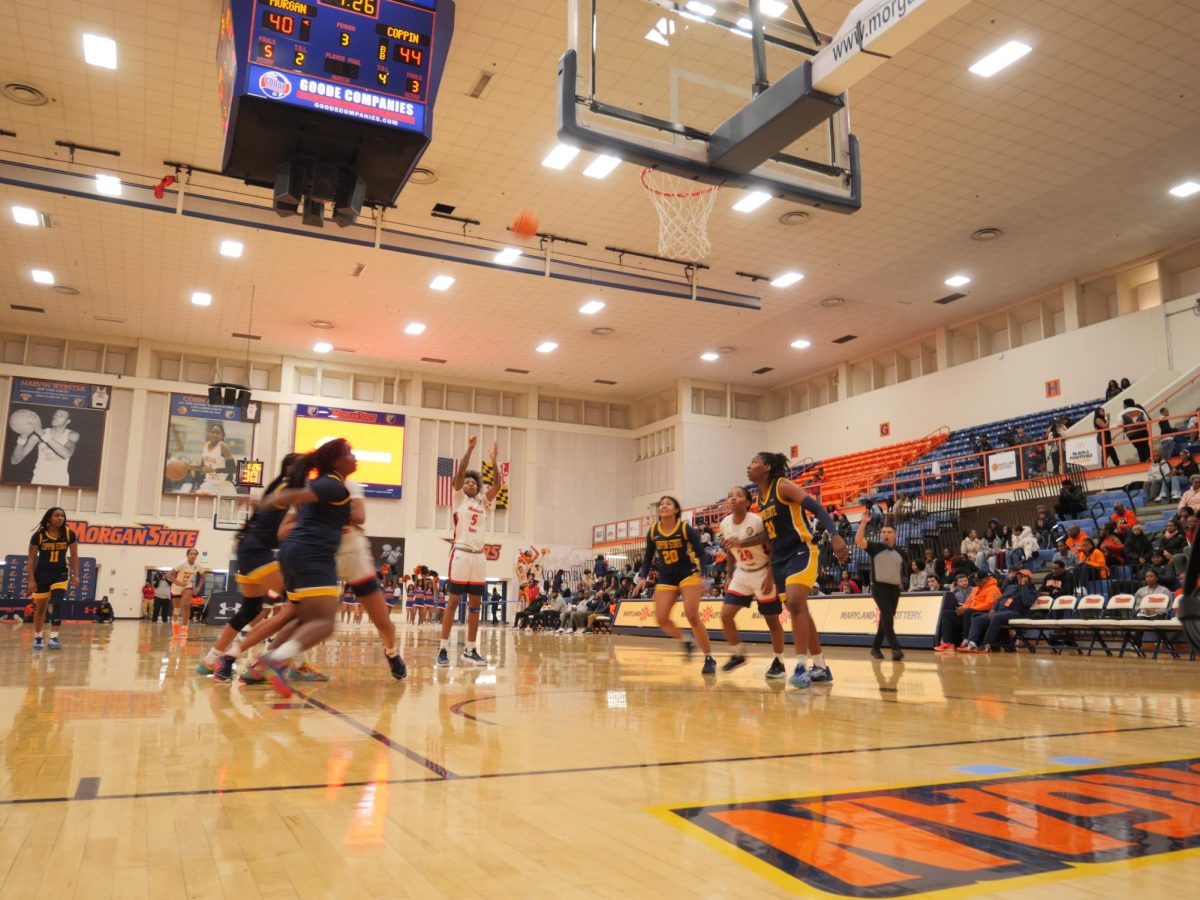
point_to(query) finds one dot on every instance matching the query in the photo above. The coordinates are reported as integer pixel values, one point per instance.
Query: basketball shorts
(354, 563)
(255, 562)
(681, 575)
(467, 572)
(307, 574)
(757, 585)
(46, 582)
(798, 568)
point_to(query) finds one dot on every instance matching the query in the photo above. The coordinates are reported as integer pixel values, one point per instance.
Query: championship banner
(377, 439)
(1082, 451)
(204, 442)
(55, 433)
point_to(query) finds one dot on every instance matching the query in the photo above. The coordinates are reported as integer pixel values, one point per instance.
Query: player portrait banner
(55, 433)
(388, 551)
(204, 443)
(377, 439)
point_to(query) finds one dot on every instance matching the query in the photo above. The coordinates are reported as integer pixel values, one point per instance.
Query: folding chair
(1093, 606)
(1037, 614)
(1065, 603)
(1136, 629)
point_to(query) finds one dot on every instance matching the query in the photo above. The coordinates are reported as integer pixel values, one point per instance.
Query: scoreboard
(349, 82)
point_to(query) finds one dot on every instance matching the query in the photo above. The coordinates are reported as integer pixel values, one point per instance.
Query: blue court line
(436, 768)
(204, 792)
(985, 769)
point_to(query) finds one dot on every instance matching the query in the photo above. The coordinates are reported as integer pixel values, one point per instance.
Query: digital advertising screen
(377, 439)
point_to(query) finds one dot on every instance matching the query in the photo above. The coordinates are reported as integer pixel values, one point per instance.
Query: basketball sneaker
(709, 667)
(472, 656)
(689, 647)
(307, 672)
(944, 645)
(224, 668)
(203, 668)
(821, 675)
(183, 632)
(776, 669)
(37, 643)
(800, 678)
(734, 662)
(54, 644)
(443, 658)
(276, 673)
(396, 664)
(174, 628)
(252, 677)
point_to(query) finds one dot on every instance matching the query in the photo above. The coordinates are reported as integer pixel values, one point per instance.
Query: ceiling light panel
(787, 279)
(1180, 190)
(957, 281)
(414, 328)
(592, 307)
(99, 51)
(201, 298)
(602, 166)
(24, 215)
(1000, 59)
(751, 201)
(508, 256)
(42, 276)
(108, 185)
(546, 347)
(231, 249)
(442, 283)
(560, 157)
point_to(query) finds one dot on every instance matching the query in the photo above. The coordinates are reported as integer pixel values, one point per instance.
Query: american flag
(445, 480)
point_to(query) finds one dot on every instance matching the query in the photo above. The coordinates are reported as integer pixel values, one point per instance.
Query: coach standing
(888, 563)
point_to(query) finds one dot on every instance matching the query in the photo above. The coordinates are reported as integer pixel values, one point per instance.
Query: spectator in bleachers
(1122, 519)
(1043, 526)
(1135, 425)
(1166, 431)
(1075, 538)
(980, 442)
(985, 561)
(1059, 582)
(1054, 435)
(950, 621)
(1173, 540)
(1112, 546)
(1160, 562)
(932, 584)
(929, 561)
(526, 617)
(979, 602)
(1023, 547)
(1063, 554)
(962, 565)
(1125, 385)
(1163, 482)
(1186, 468)
(1151, 585)
(1015, 602)
(971, 544)
(1112, 390)
(916, 576)
(1108, 453)
(1191, 497)
(1180, 560)
(1072, 501)
(1137, 547)
(944, 567)
(848, 585)
(1092, 564)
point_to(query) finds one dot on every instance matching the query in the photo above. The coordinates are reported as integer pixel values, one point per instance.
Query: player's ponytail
(297, 473)
(777, 463)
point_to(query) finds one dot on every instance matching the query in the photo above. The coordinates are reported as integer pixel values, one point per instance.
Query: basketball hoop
(682, 214)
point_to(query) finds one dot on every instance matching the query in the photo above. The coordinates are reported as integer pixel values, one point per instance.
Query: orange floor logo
(897, 843)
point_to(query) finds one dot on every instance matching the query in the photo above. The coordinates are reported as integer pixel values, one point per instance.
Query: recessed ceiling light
(710, 356)
(772, 8)
(321, 323)
(42, 276)
(231, 248)
(201, 298)
(787, 279)
(1180, 190)
(24, 215)
(592, 307)
(322, 347)
(1000, 59)
(560, 157)
(441, 282)
(602, 166)
(700, 9)
(801, 344)
(414, 328)
(109, 185)
(752, 201)
(546, 347)
(99, 51)
(957, 280)
(508, 256)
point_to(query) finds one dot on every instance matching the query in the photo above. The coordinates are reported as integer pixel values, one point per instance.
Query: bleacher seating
(849, 476)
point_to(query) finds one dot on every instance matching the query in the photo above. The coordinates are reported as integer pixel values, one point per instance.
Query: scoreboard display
(331, 79)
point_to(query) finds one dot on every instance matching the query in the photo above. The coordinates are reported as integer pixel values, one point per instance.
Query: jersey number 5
(474, 519)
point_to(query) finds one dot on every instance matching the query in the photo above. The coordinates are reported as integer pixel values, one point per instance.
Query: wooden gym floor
(591, 766)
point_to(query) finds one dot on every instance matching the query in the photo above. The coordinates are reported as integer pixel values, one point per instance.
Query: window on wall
(708, 402)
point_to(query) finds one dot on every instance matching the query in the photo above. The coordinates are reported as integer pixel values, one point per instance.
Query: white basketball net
(683, 209)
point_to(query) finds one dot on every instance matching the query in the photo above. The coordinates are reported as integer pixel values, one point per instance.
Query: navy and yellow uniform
(50, 569)
(675, 555)
(308, 555)
(793, 556)
(258, 543)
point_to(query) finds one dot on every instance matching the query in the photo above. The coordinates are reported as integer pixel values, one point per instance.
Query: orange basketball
(175, 469)
(525, 224)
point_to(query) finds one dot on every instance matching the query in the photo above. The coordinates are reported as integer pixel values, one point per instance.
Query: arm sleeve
(648, 556)
(819, 512)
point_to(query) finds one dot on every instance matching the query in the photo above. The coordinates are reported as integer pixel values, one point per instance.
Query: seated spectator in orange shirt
(1111, 545)
(981, 599)
(1092, 564)
(1075, 538)
(1123, 519)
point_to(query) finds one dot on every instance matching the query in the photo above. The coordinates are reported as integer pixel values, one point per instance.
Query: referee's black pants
(887, 598)
(162, 606)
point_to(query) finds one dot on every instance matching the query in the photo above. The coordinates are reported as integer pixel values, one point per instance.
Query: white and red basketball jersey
(747, 558)
(470, 521)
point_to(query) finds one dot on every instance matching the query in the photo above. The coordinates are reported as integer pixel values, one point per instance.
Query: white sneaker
(560, 631)
(472, 656)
